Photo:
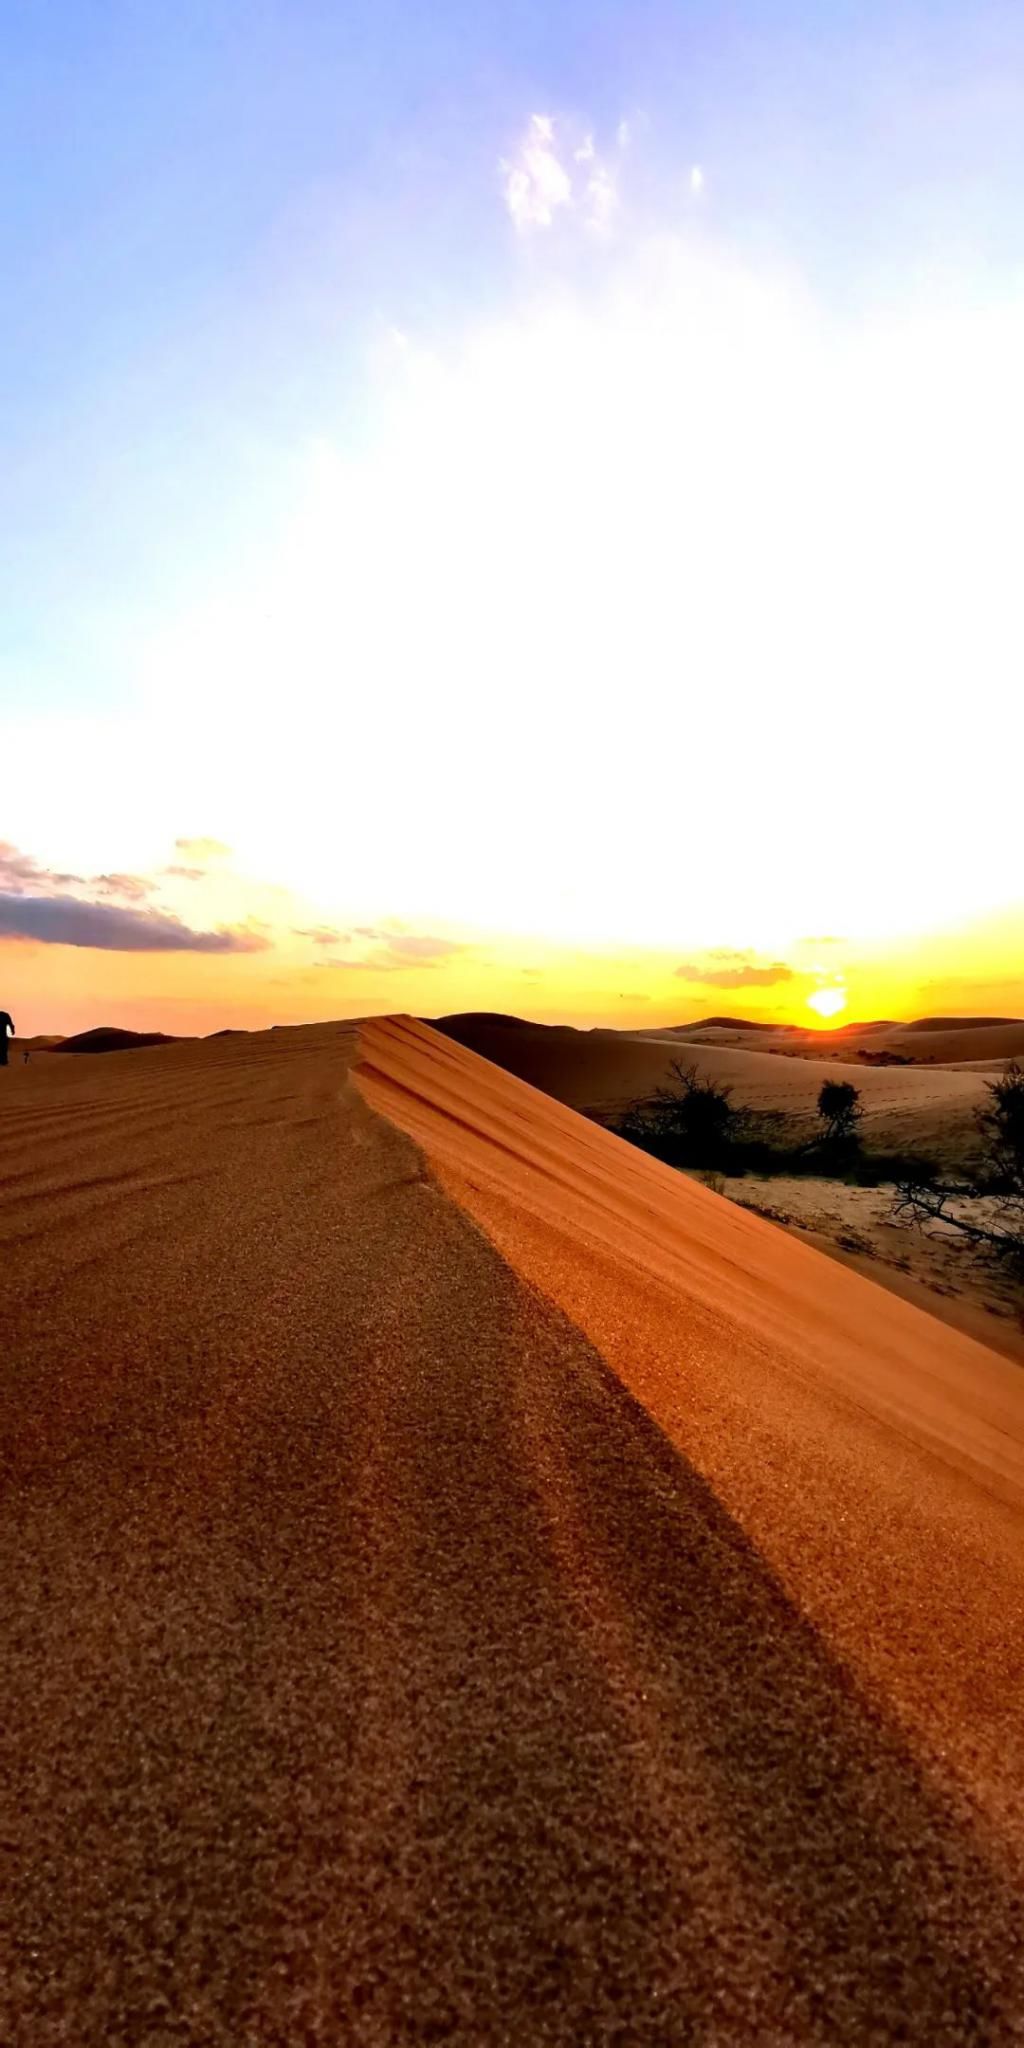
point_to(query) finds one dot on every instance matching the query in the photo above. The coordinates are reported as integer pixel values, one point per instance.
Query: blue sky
(270, 295)
(207, 208)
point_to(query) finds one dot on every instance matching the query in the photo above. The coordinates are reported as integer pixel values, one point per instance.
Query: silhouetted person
(6, 1025)
(26, 1055)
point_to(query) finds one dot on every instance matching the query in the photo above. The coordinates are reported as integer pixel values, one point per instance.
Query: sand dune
(929, 1040)
(957, 1044)
(109, 1038)
(929, 1109)
(463, 1582)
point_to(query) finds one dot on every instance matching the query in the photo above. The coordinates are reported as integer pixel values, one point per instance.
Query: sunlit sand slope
(928, 1109)
(461, 1583)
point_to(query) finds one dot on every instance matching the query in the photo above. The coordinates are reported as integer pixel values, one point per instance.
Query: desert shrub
(690, 1123)
(695, 1123)
(840, 1111)
(997, 1175)
(1000, 1124)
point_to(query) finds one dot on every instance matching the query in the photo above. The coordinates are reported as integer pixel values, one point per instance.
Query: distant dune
(462, 1581)
(956, 1023)
(955, 1041)
(722, 1024)
(923, 1108)
(726, 1024)
(110, 1038)
(930, 1041)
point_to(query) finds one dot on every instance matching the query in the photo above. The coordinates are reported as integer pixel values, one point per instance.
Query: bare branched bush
(997, 1179)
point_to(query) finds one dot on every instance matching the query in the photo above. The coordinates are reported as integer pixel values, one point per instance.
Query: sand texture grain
(463, 1583)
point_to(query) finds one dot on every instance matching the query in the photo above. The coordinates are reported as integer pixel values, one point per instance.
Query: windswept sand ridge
(929, 1109)
(378, 1669)
(835, 1418)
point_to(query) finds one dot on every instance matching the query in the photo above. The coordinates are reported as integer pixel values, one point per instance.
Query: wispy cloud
(391, 949)
(200, 851)
(130, 888)
(421, 946)
(21, 874)
(322, 935)
(20, 871)
(747, 975)
(553, 172)
(347, 966)
(537, 183)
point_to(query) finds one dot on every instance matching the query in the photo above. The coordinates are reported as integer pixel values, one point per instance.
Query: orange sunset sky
(618, 621)
(274, 959)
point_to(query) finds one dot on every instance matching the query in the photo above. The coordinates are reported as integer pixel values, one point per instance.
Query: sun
(827, 1001)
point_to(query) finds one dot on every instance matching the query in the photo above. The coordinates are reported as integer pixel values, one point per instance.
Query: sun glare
(827, 1001)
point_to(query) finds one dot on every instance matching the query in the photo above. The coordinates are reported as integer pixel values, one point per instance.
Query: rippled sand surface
(464, 1582)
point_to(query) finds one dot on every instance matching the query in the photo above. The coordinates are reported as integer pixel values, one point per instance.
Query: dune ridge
(760, 1358)
(400, 1644)
(927, 1108)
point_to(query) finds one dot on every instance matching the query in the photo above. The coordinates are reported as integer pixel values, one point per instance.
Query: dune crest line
(874, 1456)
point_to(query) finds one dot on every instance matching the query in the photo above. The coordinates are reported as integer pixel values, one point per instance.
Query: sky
(511, 508)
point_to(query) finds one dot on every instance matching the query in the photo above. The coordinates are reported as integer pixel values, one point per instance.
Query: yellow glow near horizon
(968, 970)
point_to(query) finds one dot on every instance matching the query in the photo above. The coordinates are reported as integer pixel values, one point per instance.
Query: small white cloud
(547, 177)
(623, 134)
(696, 180)
(537, 183)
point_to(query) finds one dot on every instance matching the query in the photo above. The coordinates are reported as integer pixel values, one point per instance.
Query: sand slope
(925, 1108)
(460, 1582)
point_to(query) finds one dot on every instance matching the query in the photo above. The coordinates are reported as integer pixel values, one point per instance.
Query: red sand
(482, 1588)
